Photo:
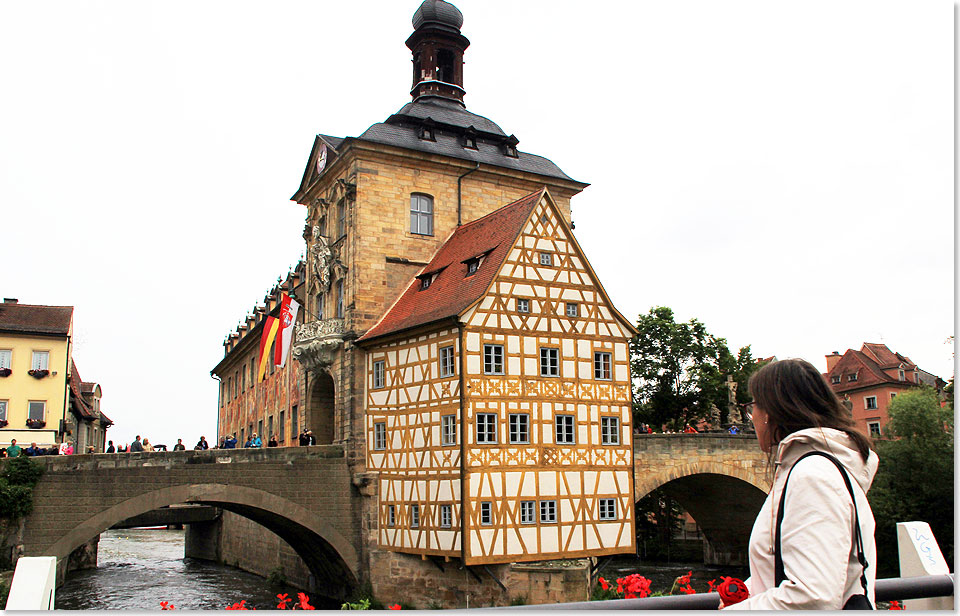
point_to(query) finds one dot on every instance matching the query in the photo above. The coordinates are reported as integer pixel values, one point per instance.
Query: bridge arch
(724, 498)
(327, 553)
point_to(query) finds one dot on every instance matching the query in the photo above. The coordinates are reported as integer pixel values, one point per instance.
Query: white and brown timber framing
(416, 468)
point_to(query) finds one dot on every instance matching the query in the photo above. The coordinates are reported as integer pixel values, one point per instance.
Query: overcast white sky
(783, 172)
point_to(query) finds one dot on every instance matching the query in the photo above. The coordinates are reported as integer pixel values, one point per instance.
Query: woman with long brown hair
(812, 545)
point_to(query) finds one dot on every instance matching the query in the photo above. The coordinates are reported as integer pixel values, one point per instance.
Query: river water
(139, 568)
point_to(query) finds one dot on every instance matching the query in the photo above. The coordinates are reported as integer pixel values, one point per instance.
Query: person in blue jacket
(230, 442)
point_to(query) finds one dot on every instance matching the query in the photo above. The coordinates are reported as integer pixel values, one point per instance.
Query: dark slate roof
(334, 141)
(452, 291)
(77, 403)
(30, 319)
(451, 122)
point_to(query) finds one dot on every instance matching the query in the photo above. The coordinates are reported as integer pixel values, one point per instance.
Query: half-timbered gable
(501, 376)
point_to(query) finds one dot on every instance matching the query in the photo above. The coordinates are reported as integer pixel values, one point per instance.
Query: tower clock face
(322, 158)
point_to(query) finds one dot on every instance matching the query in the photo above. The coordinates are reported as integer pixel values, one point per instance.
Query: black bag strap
(778, 557)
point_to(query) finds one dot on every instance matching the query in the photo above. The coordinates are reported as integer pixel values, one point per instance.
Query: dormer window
(902, 375)
(851, 378)
(510, 147)
(427, 132)
(470, 139)
(472, 266)
(835, 380)
(426, 281)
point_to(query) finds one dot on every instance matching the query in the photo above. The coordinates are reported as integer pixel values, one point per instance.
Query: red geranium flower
(167, 606)
(732, 590)
(603, 584)
(895, 605)
(395, 606)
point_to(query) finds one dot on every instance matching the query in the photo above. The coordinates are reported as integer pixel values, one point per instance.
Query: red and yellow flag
(270, 328)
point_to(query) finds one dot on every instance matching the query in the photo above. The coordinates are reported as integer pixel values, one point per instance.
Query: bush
(276, 577)
(15, 501)
(22, 471)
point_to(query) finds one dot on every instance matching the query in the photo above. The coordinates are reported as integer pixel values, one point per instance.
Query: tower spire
(437, 47)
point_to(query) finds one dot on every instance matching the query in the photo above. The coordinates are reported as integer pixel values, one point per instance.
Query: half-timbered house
(498, 399)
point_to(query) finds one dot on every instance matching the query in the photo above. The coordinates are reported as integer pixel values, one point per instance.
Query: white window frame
(43, 409)
(893, 395)
(523, 305)
(851, 378)
(528, 513)
(902, 375)
(421, 214)
(414, 516)
(549, 362)
(379, 436)
(566, 429)
(486, 513)
(493, 359)
(608, 508)
(486, 428)
(448, 430)
(868, 400)
(835, 379)
(4, 404)
(40, 360)
(548, 512)
(603, 366)
(379, 374)
(519, 428)
(873, 429)
(6, 358)
(573, 310)
(448, 366)
(546, 259)
(610, 430)
(446, 516)
(391, 515)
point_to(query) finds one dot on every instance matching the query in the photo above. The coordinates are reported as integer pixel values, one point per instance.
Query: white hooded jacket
(817, 537)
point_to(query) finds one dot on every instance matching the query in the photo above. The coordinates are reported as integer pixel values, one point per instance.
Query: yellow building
(35, 358)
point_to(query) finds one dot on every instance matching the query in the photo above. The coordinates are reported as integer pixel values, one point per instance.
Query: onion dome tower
(437, 47)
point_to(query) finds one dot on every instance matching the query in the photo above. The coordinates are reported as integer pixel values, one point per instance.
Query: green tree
(680, 370)
(914, 481)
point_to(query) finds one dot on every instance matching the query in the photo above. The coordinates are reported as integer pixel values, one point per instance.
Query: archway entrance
(322, 417)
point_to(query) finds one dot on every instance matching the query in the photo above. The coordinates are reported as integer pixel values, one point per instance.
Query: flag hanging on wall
(288, 319)
(270, 328)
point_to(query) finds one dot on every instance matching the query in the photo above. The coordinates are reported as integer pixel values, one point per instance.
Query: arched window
(445, 66)
(421, 214)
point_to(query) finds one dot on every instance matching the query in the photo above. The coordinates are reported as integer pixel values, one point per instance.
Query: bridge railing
(889, 589)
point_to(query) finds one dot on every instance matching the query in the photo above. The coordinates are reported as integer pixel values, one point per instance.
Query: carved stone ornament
(323, 260)
(316, 343)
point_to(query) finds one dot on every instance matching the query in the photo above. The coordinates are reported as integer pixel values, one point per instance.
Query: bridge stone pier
(303, 495)
(720, 479)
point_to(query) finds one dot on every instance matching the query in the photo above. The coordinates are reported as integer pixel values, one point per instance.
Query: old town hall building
(455, 339)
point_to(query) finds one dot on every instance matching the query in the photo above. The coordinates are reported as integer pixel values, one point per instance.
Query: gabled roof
(31, 319)
(77, 403)
(884, 357)
(451, 290)
(868, 364)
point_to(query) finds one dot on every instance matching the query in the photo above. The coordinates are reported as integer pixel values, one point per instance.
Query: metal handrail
(887, 589)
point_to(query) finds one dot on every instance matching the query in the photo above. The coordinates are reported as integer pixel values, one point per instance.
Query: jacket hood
(834, 442)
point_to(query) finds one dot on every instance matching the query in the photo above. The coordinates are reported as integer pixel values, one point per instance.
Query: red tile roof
(451, 290)
(869, 364)
(30, 319)
(886, 358)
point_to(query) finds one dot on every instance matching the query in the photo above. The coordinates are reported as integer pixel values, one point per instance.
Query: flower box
(35, 424)
(3, 423)
(38, 374)
(5, 371)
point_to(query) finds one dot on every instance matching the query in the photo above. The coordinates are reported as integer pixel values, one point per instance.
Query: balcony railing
(316, 343)
(318, 329)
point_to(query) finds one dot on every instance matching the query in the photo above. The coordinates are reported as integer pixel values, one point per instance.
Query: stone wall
(249, 546)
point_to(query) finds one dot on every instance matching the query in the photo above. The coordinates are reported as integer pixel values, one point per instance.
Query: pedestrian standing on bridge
(110, 447)
(815, 561)
(255, 441)
(136, 445)
(14, 450)
(230, 442)
(202, 444)
(179, 446)
(146, 445)
(273, 441)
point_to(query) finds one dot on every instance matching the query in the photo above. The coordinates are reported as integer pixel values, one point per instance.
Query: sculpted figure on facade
(322, 261)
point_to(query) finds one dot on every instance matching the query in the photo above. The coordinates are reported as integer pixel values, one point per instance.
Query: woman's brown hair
(795, 396)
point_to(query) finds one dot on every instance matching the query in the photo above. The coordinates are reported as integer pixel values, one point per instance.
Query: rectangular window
(608, 509)
(391, 515)
(610, 430)
(835, 379)
(874, 427)
(493, 359)
(902, 375)
(546, 258)
(6, 359)
(486, 428)
(243, 378)
(519, 428)
(527, 515)
(893, 395)
(283, 429)
(486, 514)
(341, 218)
(565, 425)
(253, 371)
(3, 410)
(472, 266)
(851, 378)
(447, 367)
(523, 305)
(414, 516)
(446, 516)
(40, 361)
(320, 298)
(260, 428)
(421, 214)
(37, 410)
(294, 432)
(549, 362)
(379, 368)
(426, 281)
(340, 299)
(870, 402)
(548, 512)
(380, 435)
(601, 366)
(448, 430)
(269, 427)
(573, 310)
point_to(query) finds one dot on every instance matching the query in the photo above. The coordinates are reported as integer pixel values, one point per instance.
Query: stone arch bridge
(309, 497)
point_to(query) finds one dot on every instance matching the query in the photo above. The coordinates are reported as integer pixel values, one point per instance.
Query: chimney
(832, 360)
(10, 300)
